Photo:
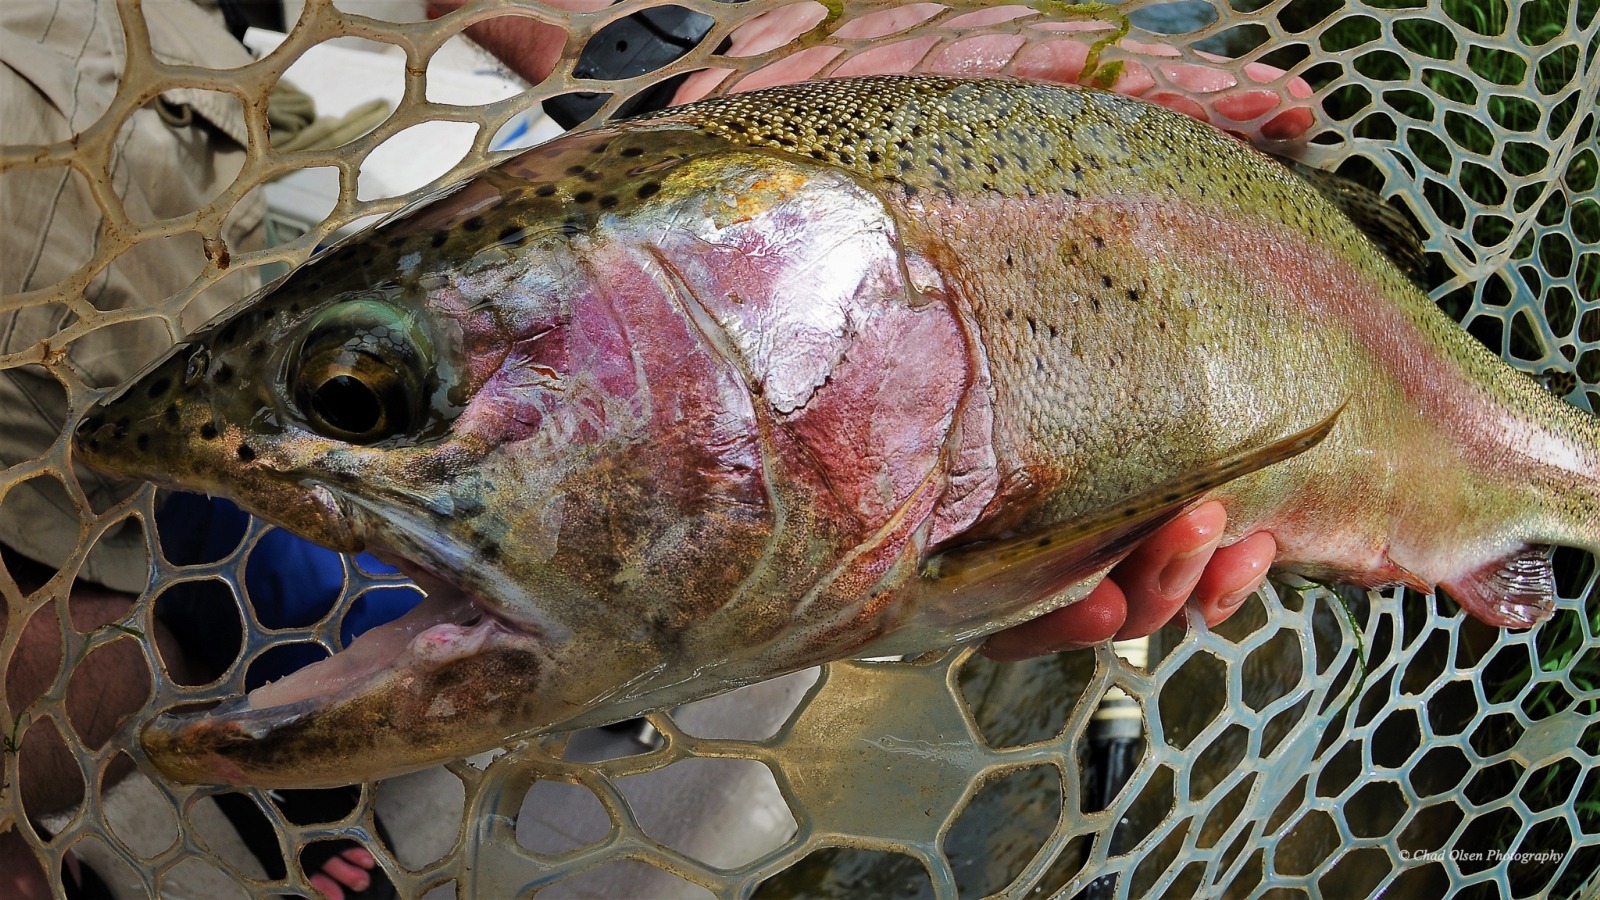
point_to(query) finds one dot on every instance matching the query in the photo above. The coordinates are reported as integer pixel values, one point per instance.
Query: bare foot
(350, 870)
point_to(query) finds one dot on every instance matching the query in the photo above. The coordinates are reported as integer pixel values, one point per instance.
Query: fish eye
(361, 374)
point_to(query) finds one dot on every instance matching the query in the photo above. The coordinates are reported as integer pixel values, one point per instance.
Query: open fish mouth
(417, 690)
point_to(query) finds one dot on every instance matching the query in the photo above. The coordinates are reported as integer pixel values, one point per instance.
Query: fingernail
(1178, 577)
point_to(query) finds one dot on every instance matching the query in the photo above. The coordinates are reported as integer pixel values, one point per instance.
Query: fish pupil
(348, 404)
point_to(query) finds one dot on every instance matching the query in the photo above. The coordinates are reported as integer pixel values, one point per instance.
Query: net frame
(1514, 252)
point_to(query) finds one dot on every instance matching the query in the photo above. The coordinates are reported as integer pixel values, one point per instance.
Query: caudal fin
(1518, 592)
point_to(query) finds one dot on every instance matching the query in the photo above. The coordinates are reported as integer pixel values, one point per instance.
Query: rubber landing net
(1320, 743)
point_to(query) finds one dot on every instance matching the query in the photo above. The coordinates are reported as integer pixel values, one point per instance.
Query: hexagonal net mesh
(1318, 743)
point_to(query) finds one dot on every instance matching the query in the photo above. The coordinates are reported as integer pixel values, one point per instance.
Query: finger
(360, 856)
(327, 887)
(885, 22)
(984, 54)
(1161, 573)
(1235, 572)
(351, 876)
(1092, 620)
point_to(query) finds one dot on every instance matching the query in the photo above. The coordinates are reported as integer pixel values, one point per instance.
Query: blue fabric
(292, 583)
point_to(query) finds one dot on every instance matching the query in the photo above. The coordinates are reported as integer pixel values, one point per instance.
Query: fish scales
(857, 367)
(949, 142)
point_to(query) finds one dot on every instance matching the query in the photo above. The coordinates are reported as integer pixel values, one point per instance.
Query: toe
(327, 887)
(347, 874)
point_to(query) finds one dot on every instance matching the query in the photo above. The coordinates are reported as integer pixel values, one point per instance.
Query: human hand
(531, 48)
(1184, 560)
(1193, 89)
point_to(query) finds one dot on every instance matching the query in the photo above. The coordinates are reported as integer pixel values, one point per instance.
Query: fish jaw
(442, 682)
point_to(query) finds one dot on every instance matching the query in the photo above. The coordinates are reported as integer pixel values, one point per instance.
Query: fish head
(598, 400)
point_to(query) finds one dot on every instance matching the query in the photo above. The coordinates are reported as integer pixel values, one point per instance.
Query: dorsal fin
(1069, 551)
(1385, 225)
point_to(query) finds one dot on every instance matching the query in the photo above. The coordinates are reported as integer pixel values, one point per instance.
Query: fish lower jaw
(444, 628)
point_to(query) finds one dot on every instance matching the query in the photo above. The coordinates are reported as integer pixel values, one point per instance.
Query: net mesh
(1317, 743)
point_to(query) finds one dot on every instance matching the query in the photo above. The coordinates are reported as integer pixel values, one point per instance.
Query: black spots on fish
(512, 236)
(545, 190)
(1054, 333)
(490, 551)
(1009, 263)
(158, 387)
(473, 224)
(1033, 327)
(576, 170)
(1010, 314)
(647, 190)
(600, 148)
(439, 238)
(294, 308)
(583, 197)
(92, 424)
(1105, 281)
(246, 453)
(874, 157)
(1129, 512)
(142, 442)
(1094, 303)
(208, 432)
(1133, 295)
(171, 414)
(1098, 241)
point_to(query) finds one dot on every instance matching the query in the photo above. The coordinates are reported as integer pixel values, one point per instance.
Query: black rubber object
(643, 42)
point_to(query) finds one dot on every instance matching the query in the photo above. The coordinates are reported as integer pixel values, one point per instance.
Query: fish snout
(154, 422)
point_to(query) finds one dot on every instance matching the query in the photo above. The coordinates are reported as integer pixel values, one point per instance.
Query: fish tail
(1560, 505)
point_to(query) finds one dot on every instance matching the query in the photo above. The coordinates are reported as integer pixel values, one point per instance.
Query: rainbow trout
(848, 368)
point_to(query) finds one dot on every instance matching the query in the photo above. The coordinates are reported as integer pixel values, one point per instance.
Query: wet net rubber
(1320, 743)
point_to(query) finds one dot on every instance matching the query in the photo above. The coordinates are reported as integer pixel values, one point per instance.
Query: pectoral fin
(1045, 560)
